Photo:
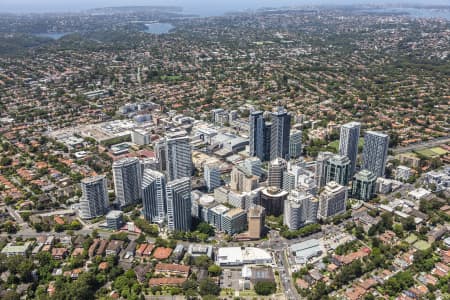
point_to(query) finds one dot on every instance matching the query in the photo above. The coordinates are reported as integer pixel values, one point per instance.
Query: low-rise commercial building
(237, 256)
(306, 250)
(114, 219)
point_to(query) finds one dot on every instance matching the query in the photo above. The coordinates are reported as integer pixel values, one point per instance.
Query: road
(31, 233)
(423, 145)
(286, 276)
(280, 246)
(17, 217)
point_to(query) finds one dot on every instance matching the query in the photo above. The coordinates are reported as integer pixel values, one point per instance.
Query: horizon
(201, 7)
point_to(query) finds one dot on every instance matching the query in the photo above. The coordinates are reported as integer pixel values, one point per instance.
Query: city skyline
(282, 153)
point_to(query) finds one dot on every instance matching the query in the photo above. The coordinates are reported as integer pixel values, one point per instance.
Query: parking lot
(230, 279)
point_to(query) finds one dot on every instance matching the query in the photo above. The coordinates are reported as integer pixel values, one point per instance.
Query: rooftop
(114, 214)
(162, 253)
(365, 175)
(220, 209)
(234, 212)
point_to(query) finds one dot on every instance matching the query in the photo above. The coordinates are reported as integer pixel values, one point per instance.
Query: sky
(202, 7)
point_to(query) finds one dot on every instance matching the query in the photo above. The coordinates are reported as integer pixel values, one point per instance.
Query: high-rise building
(280, 132)
(290, 178)
(149, 163)
(252, 198)
(232, 116)
(178, 193)
(254, 165)
(234, 221)
(242, 180)
(178, 157)
(276, 169)
(256, 219)
(272, 199)
(332, 200)
(338, 169)
(348, 143)
(375, 152)
(295, 144)
(127, 180)
(256, 134)
(237, 199)
(267, 141)
(211, 174)
(321, 164)
(364, 185)
(161, 155)
(216, 214)
(307, 184)
(300, 209)
(94, 201)
(154, 196)
(219, 116)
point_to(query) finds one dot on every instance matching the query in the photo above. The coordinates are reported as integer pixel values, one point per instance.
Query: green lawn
(247, 293)
(412, 238)
(439, 150)
(427, 153)
(422, 245)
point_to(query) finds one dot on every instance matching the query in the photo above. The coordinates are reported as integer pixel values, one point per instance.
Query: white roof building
(236, 256)
(419, 193)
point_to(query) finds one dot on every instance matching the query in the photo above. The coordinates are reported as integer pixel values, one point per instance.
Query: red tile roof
(166, 281)
(172, 268)
(162, 253)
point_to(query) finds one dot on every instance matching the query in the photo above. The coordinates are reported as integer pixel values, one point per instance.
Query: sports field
(431, 152)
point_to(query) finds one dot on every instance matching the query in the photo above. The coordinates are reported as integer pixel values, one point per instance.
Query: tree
(5, 161)
(386, 220)
(409, 224)
(75, 225)
(121, 236)
(398, 283)
(359, 232)
(21, 266)
(82, 288)
(205, 228)
(10, 227)
(265, 288)
(214, 270)
(150, 229)
(369, 297)
(191, 294)
(398, 229)
(190, 285)
(202, 261)
(208, 287)
(127, 284)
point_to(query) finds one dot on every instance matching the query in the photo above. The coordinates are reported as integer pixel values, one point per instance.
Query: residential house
(166, 281)
(349, 258)
(162, 253)
(102, 247)
(172, 269)
(114, 247)
(59, 253)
